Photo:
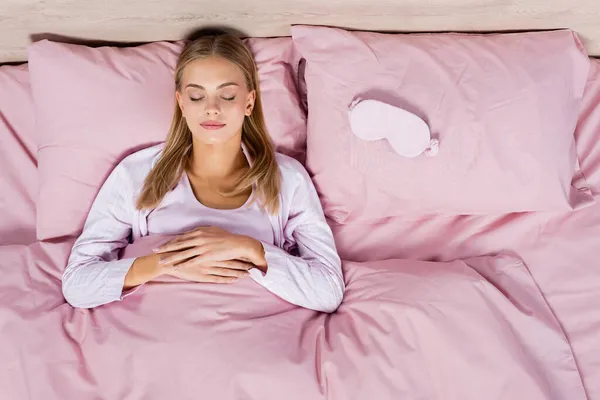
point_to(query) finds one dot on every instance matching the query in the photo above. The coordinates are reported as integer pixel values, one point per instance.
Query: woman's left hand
(208, 244)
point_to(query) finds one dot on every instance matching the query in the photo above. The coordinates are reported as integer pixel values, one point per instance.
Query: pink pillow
(504, 108)
(587, 135)
(18, 165)
(96, 105)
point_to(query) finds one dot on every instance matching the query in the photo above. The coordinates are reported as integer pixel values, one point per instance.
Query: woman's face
(214, 99)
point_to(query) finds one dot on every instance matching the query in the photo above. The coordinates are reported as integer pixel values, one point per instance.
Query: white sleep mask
(408, 134)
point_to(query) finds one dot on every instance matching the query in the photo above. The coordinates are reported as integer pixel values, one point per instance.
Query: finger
(176, 245)
(180, 256)
(220, 279)
(205, 229)
(208, 258)
(167, 247)
(178, 242)
(204, 258)
(218, 271)
(234, 264)
(160, 247)
(193, 233)
(182, 265)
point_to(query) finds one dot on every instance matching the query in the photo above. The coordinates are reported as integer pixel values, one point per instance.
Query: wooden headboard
(136, 21)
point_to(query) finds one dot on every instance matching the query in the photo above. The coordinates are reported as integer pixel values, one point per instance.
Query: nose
(212, 107)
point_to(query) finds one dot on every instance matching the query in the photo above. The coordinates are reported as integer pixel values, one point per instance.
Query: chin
(212, 138)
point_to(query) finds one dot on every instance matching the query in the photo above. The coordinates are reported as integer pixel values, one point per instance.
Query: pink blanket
(18, 159)
(407, 329)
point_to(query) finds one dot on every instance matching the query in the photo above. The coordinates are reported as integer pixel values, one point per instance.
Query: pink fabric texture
(18, 160)
(277, 61)
(504, 108)
(587, 134)
(461, 330)
(560, 249)
(96, 105)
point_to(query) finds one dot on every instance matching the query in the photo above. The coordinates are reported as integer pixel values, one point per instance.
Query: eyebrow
(219, 87)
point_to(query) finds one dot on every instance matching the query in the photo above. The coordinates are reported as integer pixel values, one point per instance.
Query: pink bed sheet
(562, 251)
(478, 329)
(18, 164)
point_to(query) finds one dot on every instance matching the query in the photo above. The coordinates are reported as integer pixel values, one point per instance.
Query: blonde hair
(264, 172)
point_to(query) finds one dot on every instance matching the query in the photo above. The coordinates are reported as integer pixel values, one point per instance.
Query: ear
(250, 102)
(179, 100)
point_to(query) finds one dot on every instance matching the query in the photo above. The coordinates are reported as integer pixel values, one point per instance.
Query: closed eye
(202, 98)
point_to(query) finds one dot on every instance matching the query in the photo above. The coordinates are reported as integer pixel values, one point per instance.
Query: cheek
(234, 114)
(191, 108)
(235, 108)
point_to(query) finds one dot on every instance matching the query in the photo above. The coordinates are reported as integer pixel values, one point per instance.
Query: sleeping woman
(238, 209)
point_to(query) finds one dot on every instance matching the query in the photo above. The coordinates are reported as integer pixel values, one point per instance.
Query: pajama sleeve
(94, 275)
(313, 278)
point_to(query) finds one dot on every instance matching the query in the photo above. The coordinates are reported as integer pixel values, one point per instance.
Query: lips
(212, 125)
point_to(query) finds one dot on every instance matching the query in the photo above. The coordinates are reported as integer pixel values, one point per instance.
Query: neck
(217, 161)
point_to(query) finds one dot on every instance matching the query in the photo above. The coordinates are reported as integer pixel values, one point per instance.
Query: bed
(437, 306)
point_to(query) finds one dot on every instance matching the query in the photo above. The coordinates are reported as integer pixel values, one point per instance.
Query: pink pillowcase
(18, 165)
(587, 135)
(504, 108)
(96, 105)
(277, 61)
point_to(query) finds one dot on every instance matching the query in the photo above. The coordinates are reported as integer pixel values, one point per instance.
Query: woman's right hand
(147, 268)
(217, 272)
